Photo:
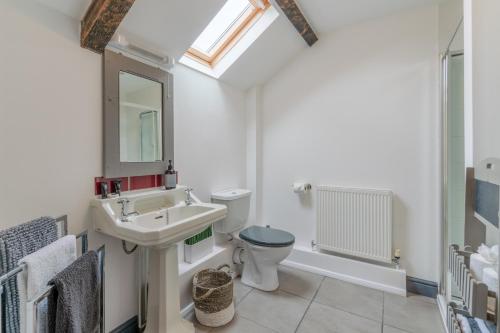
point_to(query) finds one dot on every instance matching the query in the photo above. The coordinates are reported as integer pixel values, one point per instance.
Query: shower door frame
(444, 86)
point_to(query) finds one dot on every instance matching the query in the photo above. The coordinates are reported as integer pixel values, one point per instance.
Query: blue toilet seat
(267, 237)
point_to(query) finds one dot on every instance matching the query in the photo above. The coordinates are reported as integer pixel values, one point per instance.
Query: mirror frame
(115, 63)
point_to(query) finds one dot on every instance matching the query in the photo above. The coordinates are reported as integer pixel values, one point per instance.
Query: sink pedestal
(170, 319)
(163, 220)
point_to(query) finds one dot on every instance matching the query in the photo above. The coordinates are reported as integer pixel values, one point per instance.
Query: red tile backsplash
(160, 180)
(142, 182)
(130, 183)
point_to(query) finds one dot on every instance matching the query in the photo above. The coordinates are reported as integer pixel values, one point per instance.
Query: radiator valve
(397, 257)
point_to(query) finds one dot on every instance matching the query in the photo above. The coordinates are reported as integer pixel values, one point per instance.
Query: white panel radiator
(356, 222)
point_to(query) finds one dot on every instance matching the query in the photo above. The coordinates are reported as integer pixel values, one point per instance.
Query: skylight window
(234, 19)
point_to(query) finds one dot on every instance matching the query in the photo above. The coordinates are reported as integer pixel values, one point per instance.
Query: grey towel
(16, 243)
(492, 327)
(74, 302)
(473, 325)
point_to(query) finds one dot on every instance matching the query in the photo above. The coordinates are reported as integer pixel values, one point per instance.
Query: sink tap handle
(189, 199)
(117, 186)
(124, 202)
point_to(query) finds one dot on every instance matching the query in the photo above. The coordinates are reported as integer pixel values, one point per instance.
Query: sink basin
(163, 217)
(169, 216)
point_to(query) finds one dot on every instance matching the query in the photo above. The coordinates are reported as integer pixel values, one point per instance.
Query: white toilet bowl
(265, 249)
(260, 269)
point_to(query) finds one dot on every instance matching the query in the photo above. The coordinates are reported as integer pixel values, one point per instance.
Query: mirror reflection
(140, 119)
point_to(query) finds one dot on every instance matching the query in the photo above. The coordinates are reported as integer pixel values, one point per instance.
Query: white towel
(490, 254)
(477, 264)
(42, 266)
(490, 278)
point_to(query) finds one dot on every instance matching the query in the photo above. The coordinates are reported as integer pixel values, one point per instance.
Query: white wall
(360, 109)
(51, 134)
(485, 78)
(210, 134)
(253, 110)
(450, 15)
(51, 116)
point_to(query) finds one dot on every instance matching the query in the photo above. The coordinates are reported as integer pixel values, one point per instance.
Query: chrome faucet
(125, 214)
(189, 199)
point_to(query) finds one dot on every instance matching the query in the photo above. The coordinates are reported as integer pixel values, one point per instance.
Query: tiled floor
(309, 303)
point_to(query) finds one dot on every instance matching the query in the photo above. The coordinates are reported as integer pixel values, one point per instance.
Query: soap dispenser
(170, 177)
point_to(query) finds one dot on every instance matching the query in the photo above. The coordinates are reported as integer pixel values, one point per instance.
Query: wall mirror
(138, 117)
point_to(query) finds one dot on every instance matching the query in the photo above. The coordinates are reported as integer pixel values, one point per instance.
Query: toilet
(265, 247)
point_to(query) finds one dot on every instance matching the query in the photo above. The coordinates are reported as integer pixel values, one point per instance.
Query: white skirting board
(442, 306)
(374, 276)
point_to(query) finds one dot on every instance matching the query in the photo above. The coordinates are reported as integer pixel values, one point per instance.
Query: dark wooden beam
(294, 14)
(101, 21)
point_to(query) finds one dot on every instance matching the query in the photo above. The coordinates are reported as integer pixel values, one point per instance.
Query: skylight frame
(225, 44)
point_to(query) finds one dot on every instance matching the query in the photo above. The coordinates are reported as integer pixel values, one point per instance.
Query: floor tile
(324, 319)
(199, 328)
(277, 310)
(422, 298)
(389, 329)
(240, 291)
(411, 314)
(351, 298)
(298, 282)
(241, 325)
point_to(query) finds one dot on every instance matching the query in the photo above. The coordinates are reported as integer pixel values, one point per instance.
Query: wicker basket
(213, 296)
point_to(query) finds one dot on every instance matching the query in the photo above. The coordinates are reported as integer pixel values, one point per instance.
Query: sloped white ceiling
(172, 25)
(281, 42)
(326, 16)
(72, 8)
(271, 51)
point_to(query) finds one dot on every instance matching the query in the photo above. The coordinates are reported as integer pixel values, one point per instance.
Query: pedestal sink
(161, 219)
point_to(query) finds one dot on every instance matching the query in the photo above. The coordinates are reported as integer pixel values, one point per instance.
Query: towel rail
(63, 225)
(474, 293)
(451, 318)
(4, 278)
(63, 231)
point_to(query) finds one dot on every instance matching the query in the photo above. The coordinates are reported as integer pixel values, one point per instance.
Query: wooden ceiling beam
(294, 14)
(101, 21)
